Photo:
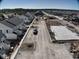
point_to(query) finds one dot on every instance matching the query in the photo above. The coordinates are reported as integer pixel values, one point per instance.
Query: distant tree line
(23, 11)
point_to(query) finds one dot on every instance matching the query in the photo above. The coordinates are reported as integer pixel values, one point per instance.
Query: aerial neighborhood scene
(39, 29)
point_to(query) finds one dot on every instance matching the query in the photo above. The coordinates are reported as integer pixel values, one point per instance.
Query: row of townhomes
(12, 29)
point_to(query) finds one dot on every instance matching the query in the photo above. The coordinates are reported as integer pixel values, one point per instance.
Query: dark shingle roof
(7, 24)
(15, 20)
(12, 22)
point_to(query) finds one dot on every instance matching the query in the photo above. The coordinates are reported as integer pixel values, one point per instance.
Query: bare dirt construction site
(39, 34)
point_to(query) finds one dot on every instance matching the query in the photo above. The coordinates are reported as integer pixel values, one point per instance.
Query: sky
(39, 4)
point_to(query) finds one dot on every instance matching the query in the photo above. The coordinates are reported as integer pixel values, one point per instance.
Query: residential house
(5, 29)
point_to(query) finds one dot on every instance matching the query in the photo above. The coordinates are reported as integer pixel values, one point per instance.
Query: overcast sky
(36, 4)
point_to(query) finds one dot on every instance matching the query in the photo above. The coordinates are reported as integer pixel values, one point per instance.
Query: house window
(7, 31)
(0, 31)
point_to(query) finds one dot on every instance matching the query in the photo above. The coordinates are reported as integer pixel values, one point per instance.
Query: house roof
(7, 24)
(12, 22)
(11, 36)
(2, 26)
(39, 13)
(15, 20)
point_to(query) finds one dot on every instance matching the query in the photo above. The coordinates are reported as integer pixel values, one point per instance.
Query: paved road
(43, 48)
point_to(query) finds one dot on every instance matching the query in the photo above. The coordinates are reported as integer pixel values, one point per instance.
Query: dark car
(35, 31)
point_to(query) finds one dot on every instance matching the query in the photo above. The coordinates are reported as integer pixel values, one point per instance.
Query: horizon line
(39, 8)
